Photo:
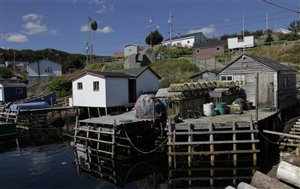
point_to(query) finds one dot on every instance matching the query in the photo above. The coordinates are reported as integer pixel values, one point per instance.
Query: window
(188, 42)
(218, 48)
(48, 70)
(79, 86)
(96, 85)
(198, 51)
(240, 39)
(226, 78)
(19, 90)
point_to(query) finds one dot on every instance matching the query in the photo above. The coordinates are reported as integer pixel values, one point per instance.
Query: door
(132, 90)
(266, 90)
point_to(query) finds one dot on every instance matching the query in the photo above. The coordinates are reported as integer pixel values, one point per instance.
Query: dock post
(113, 140)
(234, 148)
(190, 150)
(253, 146)
(169, 142)
(212, 156)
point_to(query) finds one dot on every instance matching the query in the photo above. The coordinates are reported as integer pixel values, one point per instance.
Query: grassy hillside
(174, 71)
(284, 53)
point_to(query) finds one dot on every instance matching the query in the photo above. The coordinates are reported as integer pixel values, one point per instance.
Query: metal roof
(185, 36)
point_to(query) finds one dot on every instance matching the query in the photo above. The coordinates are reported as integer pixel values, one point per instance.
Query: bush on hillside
(61, 85)
(175, 52)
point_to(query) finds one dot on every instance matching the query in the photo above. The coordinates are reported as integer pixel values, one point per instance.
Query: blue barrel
(221, 108)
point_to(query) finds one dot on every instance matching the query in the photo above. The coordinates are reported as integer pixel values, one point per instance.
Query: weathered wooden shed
(276, 82)
(12, 91)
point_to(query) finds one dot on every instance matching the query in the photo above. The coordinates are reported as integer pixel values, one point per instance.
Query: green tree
(154, 38)
(269, 38)
(61, 85)
(294, 26)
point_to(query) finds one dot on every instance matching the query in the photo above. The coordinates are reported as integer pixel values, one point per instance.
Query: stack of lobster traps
(186, 100)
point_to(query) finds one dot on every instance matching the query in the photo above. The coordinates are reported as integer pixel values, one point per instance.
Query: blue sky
(61, 24)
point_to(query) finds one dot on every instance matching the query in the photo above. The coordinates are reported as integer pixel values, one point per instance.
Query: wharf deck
(116, 120)
(227, 119)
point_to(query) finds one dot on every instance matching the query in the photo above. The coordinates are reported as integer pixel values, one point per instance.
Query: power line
(280, 6)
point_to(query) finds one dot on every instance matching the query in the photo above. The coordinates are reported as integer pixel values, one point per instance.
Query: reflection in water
(146, 173)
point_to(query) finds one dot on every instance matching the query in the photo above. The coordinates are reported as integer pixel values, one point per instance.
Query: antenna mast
(170, 21)
(89, 42)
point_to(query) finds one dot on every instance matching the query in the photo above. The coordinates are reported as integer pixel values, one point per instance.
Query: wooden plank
(214, 142)
(216, 132)
(93, 131)
(92, 139)
(281, 134)
(214, 152)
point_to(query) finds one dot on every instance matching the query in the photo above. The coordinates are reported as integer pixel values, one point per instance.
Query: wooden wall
(272, 89)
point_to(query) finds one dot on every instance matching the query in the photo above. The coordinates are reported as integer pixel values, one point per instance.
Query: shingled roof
(276, 66)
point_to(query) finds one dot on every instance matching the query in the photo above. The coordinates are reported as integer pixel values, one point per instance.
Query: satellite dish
(94, 25)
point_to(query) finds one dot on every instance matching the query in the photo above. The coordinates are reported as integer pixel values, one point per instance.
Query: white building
(43, 69)
(130, 49)
(112, 89)
(240, 42)
(187, 40)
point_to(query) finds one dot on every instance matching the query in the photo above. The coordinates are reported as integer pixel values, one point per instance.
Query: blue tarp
(29, 106)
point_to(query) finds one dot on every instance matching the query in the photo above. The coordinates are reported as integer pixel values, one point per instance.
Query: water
(53, 166)
(59, 165)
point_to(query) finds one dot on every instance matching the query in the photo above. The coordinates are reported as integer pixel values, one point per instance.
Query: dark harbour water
(58, 165)
(53, 166)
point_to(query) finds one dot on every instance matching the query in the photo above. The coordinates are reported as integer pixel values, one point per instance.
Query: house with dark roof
(187, 40)
(276, 82)
(112, 89)
(209, 49)
(12, 91)
(43, 69)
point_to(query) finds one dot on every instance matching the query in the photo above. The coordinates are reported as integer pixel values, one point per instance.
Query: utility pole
(267, 21)
(170, 21)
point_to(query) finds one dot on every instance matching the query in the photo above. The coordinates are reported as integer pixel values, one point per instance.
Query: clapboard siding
(277, 83)
(287, 91)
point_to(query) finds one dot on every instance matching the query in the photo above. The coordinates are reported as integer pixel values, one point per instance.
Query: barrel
(208, 109)
(221, 107)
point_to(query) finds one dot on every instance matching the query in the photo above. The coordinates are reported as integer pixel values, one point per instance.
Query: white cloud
(33, 25)
(84, 28)
(106, 29)
(53, 31)
(31, 28)
(32, 17)
(207, 31)
(102, 6)
(16, 37)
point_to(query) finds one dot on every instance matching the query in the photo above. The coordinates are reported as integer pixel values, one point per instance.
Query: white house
(130, 49)
(43, 69)
(240, 42)
(141, 80)
(112, 89)
(187, 40)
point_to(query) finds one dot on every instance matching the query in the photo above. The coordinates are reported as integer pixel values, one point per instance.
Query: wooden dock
(116, 137)
(38, 118)
(228, 138)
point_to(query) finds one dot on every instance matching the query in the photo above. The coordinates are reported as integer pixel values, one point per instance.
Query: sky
(63, 24)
